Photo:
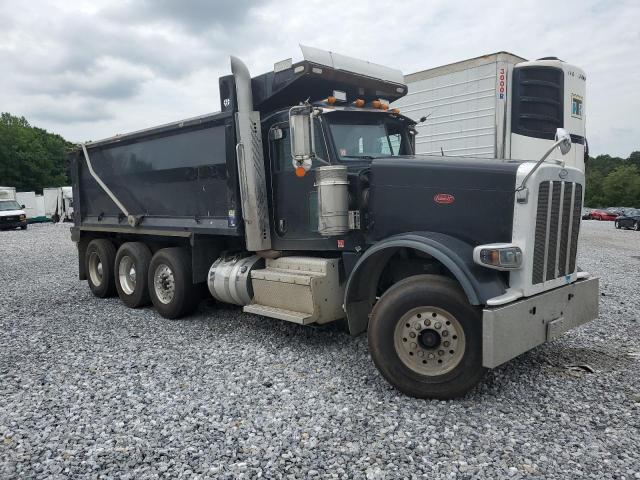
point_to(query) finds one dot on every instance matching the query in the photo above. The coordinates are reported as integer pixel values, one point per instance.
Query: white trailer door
(462, 110)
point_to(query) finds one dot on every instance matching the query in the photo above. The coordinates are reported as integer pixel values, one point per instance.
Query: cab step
(298, 289)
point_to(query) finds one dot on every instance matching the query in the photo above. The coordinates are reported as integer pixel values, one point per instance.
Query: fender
(478, 283)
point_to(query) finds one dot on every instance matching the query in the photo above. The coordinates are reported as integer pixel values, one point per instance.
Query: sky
(91, 69)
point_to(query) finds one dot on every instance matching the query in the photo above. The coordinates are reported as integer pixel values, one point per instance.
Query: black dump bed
(177, 177)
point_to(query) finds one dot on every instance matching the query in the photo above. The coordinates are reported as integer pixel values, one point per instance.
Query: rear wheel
(617, 225)
(170, 283)
(426, 339)
(636, 226)
(132, 269)
(99, 263)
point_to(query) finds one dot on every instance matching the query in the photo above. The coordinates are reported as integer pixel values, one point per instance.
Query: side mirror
(301, 127)
(564, 138)
(22, 206)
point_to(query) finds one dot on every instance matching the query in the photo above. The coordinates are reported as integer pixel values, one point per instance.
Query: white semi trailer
(58, 203)
(33, 206)
(498, 106)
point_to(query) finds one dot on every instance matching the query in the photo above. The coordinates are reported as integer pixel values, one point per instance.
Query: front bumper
(509, 330)
(13, 224)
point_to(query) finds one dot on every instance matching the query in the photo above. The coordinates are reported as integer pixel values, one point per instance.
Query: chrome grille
(557, 227)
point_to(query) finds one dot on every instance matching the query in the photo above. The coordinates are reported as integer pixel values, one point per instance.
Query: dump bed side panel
(176, 178)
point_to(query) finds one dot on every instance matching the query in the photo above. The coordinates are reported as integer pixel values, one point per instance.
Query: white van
(12, 214)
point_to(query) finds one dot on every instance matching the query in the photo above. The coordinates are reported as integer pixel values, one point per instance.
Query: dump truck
(498, 105)
(302, 200)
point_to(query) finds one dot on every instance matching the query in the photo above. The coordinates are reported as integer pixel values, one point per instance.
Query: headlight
(501, 256)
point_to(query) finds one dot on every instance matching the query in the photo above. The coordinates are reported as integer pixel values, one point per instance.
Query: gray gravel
(89, 388)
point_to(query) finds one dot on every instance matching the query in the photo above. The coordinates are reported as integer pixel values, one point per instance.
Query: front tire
(132, 271)
(636, 226)
(170, 283)
(99, 264)
(617, 225)
(426, 339)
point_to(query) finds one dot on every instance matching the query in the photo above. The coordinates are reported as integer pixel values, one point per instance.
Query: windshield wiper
(364, 157)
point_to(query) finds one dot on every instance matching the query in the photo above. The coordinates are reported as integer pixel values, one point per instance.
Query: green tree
(621, 188)
(31, 158)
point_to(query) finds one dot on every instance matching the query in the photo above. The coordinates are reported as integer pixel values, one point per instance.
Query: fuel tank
(469, 198)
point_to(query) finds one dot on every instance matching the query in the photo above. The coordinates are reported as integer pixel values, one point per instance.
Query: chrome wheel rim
(127, 274)
(164, 283)
(95, 269)
(430, 341)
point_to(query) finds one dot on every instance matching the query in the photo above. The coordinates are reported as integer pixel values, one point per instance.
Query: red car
(603, 215)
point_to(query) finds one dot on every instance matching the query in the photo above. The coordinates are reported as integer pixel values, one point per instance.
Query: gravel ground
(89, 388)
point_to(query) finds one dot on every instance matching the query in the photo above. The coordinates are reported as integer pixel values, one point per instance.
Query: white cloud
(90, 69)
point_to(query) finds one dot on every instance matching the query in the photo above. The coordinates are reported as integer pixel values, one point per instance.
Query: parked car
(586, 214)
(630, 219)
(603, 215)
(12, 215)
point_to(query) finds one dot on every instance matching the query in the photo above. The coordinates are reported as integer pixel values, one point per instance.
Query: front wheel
(426, 339)
(617, 225)
(636, 226)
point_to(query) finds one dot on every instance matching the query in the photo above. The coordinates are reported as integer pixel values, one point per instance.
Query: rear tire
(99, 264)
(132, 271)
(636, 226)
(426, 339)
(617, 225)
(170, 283)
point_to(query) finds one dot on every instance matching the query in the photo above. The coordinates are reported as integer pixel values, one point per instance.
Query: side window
(281, 151)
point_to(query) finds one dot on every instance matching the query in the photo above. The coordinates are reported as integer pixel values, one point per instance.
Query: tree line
(32, 158)
(613, 181)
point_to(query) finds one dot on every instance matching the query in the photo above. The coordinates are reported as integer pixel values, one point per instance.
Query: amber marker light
(395, 110)
(376, 104)
(300, 172)
(331, 100)
(359, 103)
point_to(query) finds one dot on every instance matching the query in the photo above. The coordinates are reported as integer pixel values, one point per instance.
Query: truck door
(293, 198)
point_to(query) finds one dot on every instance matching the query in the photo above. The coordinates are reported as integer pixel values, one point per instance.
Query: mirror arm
(560, 141)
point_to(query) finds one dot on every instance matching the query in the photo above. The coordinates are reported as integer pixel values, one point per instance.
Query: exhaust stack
(251, 170)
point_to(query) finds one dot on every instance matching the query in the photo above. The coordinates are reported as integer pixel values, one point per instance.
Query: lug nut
(418, 326)
(440, 352)
(414, 345)
(445, 333)
(421, 353)
(431, 355)
(412, 334)
(437, 325)
(427, 322)
(446, 343)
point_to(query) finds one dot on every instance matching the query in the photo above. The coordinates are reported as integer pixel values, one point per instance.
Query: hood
(470, 199)
(11, 213)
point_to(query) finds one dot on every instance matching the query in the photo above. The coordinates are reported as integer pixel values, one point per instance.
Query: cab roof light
(376, 104)
(331, 100)
(359, 103)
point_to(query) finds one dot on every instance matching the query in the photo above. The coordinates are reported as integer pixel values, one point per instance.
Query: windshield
(9, 205)
(359, 137)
